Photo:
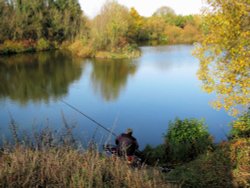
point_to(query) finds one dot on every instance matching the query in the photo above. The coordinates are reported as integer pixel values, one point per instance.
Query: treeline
(166, 25)
(116, 25)
(115, 32)
(38, 23)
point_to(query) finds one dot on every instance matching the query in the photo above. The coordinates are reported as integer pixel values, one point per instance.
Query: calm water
(144, 93)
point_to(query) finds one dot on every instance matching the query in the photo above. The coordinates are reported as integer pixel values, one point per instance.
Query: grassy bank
(68, 167)
(21, 166)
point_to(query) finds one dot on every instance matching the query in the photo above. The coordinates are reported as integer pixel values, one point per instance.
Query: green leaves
(54, 20)
(241, 126)
(186, 139)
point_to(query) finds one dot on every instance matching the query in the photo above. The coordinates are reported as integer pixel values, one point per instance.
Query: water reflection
(37, 77)
(109, 77)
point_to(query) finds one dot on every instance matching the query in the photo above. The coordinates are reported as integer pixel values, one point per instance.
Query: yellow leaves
(224, 54)
(221, 89)
(240, 125)
(207, 88)
(237, 143)
(244, 85)
(217, 105)
(234, 112)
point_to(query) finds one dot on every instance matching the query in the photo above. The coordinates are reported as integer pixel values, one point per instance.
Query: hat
(129, 130)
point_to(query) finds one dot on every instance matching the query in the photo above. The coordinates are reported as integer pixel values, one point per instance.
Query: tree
(54, 20)
(110, 27)
(164, 11)
(5, 24)
(182, 21)
(224, 54)
(155, 27)
(137, 26)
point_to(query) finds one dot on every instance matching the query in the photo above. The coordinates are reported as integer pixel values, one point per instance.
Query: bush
(42, 45)
(154, 156)
(241, 126)
(174, 34)
(227, 166)
(186, 139)
(81, 49)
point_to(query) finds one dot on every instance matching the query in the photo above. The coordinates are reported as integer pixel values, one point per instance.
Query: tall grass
(25, 167)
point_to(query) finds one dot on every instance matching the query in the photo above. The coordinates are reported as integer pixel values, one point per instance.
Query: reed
(66, 167)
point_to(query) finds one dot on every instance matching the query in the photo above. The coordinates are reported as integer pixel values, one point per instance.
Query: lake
(143, 94)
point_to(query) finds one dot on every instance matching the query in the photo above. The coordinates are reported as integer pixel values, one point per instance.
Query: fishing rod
(88, 117)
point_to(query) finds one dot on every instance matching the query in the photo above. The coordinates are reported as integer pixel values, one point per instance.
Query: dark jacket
(126, 144)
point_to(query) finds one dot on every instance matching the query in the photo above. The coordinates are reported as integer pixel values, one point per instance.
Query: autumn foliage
(224, 54)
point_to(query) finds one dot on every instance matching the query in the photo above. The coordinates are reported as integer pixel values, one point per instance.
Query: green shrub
(154, 156)
(186, 139)
(241, 126)
(42, 45)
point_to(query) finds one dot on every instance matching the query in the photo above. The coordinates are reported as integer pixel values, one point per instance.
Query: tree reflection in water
(110, 76)
(37, 77)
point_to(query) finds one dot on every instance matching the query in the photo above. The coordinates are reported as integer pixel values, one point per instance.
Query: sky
(146, 7)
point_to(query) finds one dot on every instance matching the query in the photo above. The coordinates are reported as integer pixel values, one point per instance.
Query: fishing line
(88, 117)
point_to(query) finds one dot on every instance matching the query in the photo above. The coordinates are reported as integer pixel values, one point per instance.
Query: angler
(126, 143)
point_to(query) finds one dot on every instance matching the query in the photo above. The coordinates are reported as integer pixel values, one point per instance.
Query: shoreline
(84, 51)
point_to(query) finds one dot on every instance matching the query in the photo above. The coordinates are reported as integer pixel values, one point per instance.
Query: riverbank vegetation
(198, 162)
(67, 167)
(54, 158)
(114, 33)
(227, 166)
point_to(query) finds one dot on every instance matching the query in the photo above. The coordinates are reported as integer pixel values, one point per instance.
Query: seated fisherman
(126, 143)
